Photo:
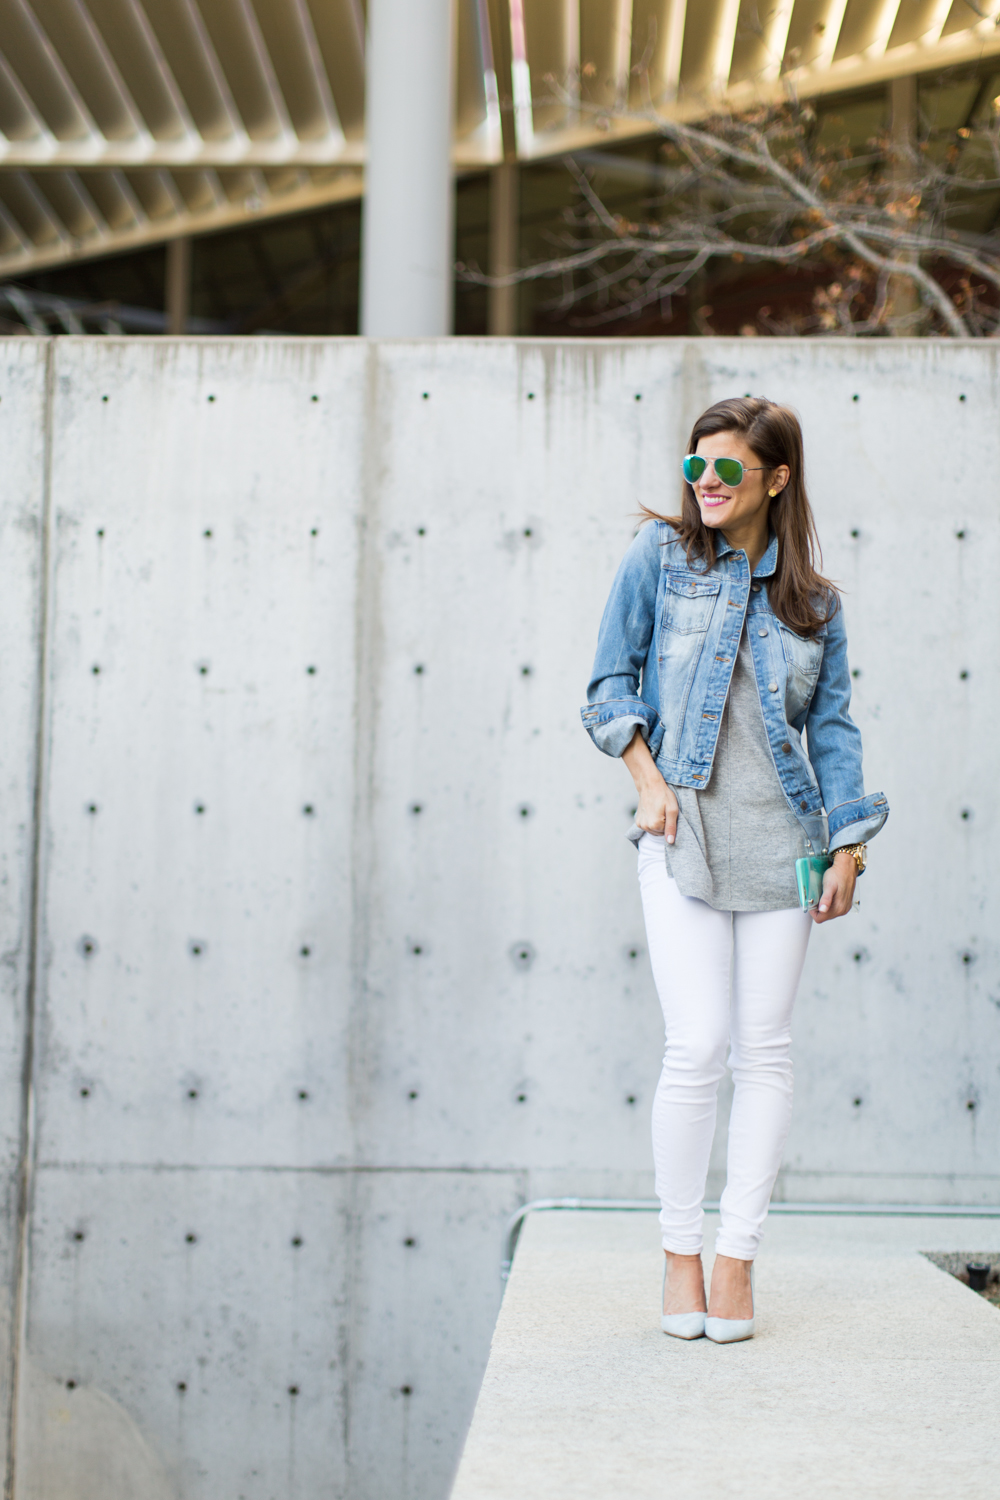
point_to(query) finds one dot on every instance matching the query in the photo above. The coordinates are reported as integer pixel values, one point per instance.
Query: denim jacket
(665, 654)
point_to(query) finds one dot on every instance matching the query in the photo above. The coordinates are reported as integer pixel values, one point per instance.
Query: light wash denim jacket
(665, 654)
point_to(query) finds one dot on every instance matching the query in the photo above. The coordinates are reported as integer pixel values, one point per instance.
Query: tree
(891, 233)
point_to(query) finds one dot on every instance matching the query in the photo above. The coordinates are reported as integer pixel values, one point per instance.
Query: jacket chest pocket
(803, 658)
(688, 600)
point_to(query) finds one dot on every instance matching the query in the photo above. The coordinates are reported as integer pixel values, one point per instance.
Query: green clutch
(809, 874)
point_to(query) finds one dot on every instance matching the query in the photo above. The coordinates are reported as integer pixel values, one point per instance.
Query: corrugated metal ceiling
(127, 122)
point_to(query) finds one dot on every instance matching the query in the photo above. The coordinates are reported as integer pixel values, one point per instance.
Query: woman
(721, 680)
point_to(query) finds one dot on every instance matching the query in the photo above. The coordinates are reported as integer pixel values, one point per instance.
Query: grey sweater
(737, 839)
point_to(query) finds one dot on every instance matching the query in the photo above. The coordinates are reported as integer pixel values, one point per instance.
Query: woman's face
(723, 506)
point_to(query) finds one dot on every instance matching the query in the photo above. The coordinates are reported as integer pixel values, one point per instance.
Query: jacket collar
(768, 563)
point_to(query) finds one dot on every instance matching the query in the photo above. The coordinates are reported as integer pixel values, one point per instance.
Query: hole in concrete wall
(425, 395)
(308, 810)
(959, 536)
(963, 674)
(211, 398)
(970, 1104)
(293, 1390)
(856, 672)
(105, 398)
(968, 958)
(859, 955)
(314, 398)
(199, 807)
(531, 395)
(413, 1094)
(522, 1098)
(525, 810)
(207, 531)
(87, 946)
(192, 1093)
(304, 951)
(311, 671)
(855, 532)
(191, 1238)
(416, 948)
(961, 398)
(79, 1235)
(197, 946)
(856, 1103)
(416, 807)
(92, 807)
(630, 1099)
(100, 531)
(409, 1241)
(522, 955)
(966, 814)
(71, 1385)
(303, 1093)
(421, 531)
(96, 670)
(297, 1241)
(419, 668)
(85, 1092)
(638, 396)
(182, 1386)
(406, 1390)
(855, 398)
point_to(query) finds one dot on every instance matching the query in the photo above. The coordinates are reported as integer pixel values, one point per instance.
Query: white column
(407, 253)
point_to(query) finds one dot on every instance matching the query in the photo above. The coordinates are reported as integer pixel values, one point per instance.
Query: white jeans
(721, 977)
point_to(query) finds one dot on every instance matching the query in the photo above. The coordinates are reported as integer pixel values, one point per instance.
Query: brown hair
(799, 595)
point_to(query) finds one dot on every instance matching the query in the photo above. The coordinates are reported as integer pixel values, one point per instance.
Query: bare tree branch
(757, 188)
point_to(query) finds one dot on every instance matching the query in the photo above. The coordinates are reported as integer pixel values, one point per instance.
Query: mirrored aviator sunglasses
(729, 470)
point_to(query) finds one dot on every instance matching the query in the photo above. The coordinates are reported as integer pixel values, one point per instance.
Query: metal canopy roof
(127, 122)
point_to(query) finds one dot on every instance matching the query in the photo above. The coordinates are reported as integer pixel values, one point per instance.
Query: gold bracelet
(858, 852)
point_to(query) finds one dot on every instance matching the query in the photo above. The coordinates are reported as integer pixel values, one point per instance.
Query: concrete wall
(337, 949)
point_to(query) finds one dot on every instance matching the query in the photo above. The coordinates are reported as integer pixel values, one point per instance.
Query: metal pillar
(504, 247)
(407, 250)
(178, 287)
(503, 315)
(903, 299)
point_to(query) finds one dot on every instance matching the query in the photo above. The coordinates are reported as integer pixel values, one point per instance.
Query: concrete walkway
(872, 1373)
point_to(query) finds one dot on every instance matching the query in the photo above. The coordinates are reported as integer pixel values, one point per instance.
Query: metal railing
(651, 1205)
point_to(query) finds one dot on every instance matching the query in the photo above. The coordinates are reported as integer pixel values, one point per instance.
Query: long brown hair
(799, 595)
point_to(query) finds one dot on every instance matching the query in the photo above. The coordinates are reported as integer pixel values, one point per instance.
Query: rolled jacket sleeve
(618, 694)
(834, 742)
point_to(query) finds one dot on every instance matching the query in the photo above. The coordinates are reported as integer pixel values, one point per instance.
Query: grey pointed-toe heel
(690, 1325)
(730, 1330)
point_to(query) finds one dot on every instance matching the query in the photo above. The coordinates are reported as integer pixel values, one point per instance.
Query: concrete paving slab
(872, 1372)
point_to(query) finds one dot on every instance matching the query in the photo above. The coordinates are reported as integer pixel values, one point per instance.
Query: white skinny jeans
(700, 958)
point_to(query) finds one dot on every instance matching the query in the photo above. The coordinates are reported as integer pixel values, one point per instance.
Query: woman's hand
(838, 888)
(657, 810)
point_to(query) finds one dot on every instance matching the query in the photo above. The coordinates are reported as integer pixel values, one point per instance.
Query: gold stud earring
(772, 493)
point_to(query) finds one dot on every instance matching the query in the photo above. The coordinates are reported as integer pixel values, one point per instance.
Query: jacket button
(787, 748)
(762, 630)
(756, 588)
(772, 687)
(803, 805)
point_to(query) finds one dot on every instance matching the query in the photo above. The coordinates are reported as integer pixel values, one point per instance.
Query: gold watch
(858, 852)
